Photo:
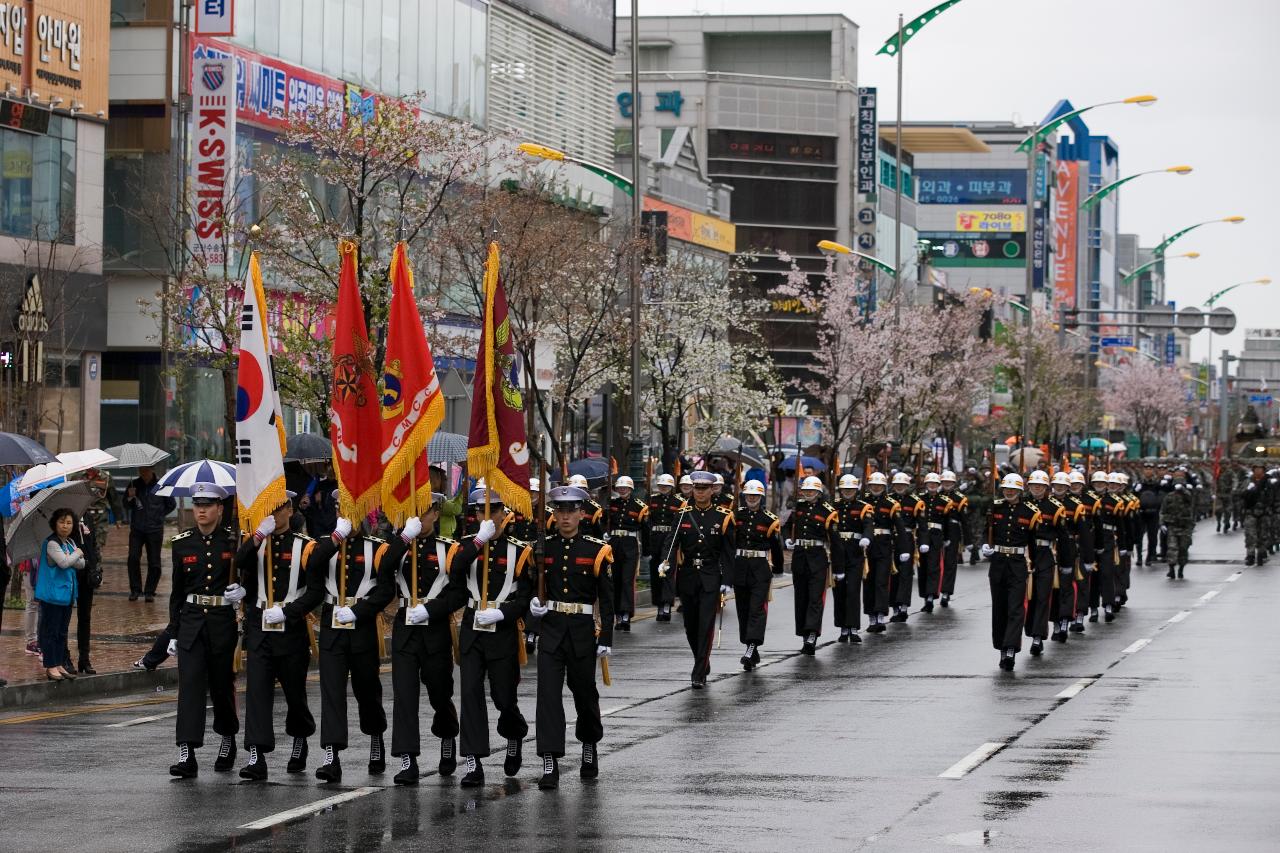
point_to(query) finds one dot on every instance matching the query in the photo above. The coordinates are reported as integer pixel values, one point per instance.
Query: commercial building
(54, 61)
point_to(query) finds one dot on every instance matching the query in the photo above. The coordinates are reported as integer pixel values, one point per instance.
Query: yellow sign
(991, 220)
(684, 224)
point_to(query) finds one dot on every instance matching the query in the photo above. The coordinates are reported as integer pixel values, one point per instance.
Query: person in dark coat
(147, 512)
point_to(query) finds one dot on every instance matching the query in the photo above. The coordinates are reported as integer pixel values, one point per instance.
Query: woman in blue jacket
(56, 591)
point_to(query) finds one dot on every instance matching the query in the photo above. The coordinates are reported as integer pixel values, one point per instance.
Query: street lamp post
(1115, 185)
(1223, 401)
(1168, 241)
(1158, 259)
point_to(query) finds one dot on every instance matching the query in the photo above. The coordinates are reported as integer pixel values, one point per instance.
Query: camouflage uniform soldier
(1178, 520)
(106, 505)
(979, 494)
(1242, 480)
(1254, 506)
(1223, 487)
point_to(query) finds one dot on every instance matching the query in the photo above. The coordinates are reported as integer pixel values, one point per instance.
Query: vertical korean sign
(1066, 201)
(867, 140)
(1039, 220)
(215, 18)
(213, 155)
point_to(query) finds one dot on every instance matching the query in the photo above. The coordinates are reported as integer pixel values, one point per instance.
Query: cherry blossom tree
(1145, 397)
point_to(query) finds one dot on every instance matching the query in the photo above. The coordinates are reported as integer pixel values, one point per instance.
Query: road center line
(1209, 596)
(1137, 646)
(140, 720)
(972, 760)
(309, 809)
(1074, 690)
(1234, 577)
(1179, 616)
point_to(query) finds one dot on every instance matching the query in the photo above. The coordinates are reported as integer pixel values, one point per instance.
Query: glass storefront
(38, 182)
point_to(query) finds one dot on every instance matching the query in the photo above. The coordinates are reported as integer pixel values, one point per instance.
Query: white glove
(946, 543)
(986, 550)
(173, 647)
(663, 568)
(487, 531)
(1124, 553)
(537, 608)
(416, 615)
(412, 527)
(343, 530)
(266, 528)
(924, 549)
(603, 651)
(491, 616)
(1066, 570)
(902, 558)
(1164, 528)
(234, 593)
(1086, 567)
(605, 537)
(789, 544)
(864, 542)
(725, 589)
(344, 615)
(273, 615)
(840, 577)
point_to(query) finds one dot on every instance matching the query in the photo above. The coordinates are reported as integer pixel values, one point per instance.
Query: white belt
(748, 553)
(570, 607)
(847, 534)
(630, 533)
(935, 525)
(207, 600)
(661, 528)
(1005, 549)
(474, 604)
(882, 531)
(351, 599)
(810, 543)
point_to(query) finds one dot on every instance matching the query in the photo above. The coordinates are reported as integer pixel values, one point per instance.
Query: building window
(888, 177)
(38, 182)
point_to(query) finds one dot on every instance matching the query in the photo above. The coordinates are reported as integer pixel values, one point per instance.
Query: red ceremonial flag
(355, 424)
(497, 447)
(412, 405)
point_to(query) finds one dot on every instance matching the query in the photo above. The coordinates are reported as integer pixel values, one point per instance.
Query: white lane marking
(1179, 616)
(309, 809)
(1208, 596)
(1074, 690)
(972, 760)
(614, 710)
(1137, 646)
(140, 720)
(1234, 577)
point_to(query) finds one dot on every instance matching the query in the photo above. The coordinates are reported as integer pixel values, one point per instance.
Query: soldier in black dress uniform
(575, 581)
(887, 531)
(202, 621)
(1110, 535)
(702, 547)
(957, 536)
(349, 638)
(1012, 527)
(664, 506)
(807, 533)
(758, 541)
(1064, 594)
(1051, 549)
(490, 637)
(626, 520)
(275, 654)
(852, 538)
(913, 537)
(593, 523)
(937, 514)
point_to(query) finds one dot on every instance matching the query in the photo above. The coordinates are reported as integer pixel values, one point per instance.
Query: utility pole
(637, 450)
(1224, 404)
(897, 185)
(1029, 289)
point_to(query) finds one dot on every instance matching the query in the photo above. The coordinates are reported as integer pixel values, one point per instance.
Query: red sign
(1066, 202)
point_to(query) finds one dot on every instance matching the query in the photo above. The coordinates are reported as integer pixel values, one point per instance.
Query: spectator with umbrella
(56, 589)
(147, 512)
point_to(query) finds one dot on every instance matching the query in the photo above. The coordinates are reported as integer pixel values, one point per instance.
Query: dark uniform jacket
(1054, 530)
(202, 565)
(887, 523)
(628, 516)
(577, 571)
(811, 522)
(937, 511)
(1076, 522)
(1013, 525)
(448, 597)
(914, 522)
(756, 530)
(957, 528)
(377, 581)
(855, 520)
(294, 637)
(703, 543)
(661, 518)
(465, 575)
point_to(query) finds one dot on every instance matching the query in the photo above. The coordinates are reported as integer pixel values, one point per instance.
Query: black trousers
(504, 676)
(875, 587)
(1102, 589)
(151, 541)
(950, 563)
(846, 598)
(580, 671)
(751, 598)
(930, 575)
(206, 671)
(900, 584)
(412, 666)
(809, 582)
(84, 614)
(1124, 570)
(663, 591)
(1008, 579)
(1062, 604)
(626, 560)
(700, 610)
(159, 651)
(263, 670)
(1150, 528)
(338, 663)
(1038, 612)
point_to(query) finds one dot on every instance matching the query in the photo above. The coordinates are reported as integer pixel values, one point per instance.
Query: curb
(87, 686)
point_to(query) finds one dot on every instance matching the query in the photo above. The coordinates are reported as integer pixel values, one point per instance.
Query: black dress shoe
(1180, 568)
(474, 777)
(1059, 636)
(698, 683)
(1170, 574)
(151, 599)
(448, 757)
(624, 625)
(945, 601)
(256, 769)
(755, 653)
(377, 755)
(877, 628)
(331, 770)
(854, 639)
(550, 774)
(297, 756)
(899, 617)
(186, 767)
(1037, 649)
(747, 663)
(928, 606)
(1093, 617)
(810, 646)
(515, 756)
(86, 669)
(1076, 628)
(133, 596)
(226, 754)
(1109, 617)
(408, 774)
(590, 768)
(843, 638)
(1006, 663)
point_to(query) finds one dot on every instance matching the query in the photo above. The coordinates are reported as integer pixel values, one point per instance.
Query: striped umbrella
(177, 482)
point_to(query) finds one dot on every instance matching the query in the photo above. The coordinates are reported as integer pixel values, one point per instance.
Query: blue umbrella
(595, 470)
(177, 482)
(19, 450)
(811, 462)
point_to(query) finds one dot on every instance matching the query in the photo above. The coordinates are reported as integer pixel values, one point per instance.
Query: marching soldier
(721, 498)
(354, 575)
(1178, 522)
(937, 521)
(854, 520)
(1254, 503)
(1151, 492)
(1107, 535)
(626, 521)
(202, 621)
(808, 532)
(686, 488)
(1126, 534)
(1050, 551)
(422, 640)
(957, 536)
(593, 523)
(759, 545)
(276, 642)
(490, 639)
(531, 530)
(1223, 487)
(575, 579)
(1013, 524)
(702, 546)
(913, 536)
(664, 506)
(887, 531)
(978, 496)
(1089, 547)
(1066, 593)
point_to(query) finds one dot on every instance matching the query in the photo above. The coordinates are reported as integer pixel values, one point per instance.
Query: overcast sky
(1215, 67)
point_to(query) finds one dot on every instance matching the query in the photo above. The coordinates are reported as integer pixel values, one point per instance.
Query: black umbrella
(308, 447)
(595, 470)
(736, 451)
(19, 450)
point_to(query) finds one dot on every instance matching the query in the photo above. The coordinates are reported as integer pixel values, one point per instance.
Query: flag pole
(484, 578)
(413, 546)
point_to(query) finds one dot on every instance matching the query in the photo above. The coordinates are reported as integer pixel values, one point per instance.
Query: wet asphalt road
(1160, 732)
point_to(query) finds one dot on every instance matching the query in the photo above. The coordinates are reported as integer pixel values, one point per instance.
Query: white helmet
(664, 480)
(535, 485)
(1077, 476)
(1039, 478)
(902, 477)
(1099, 476)
(753, 487)
(848, 481)
(686, 480)
(948, 476)
(578, 480)
(719, 480)
(932, 478)
(1116, 478)
(877, 478)
(624, 482)
(1011, 481)
(1124, 478)
(811, 484)
(1062, 478)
